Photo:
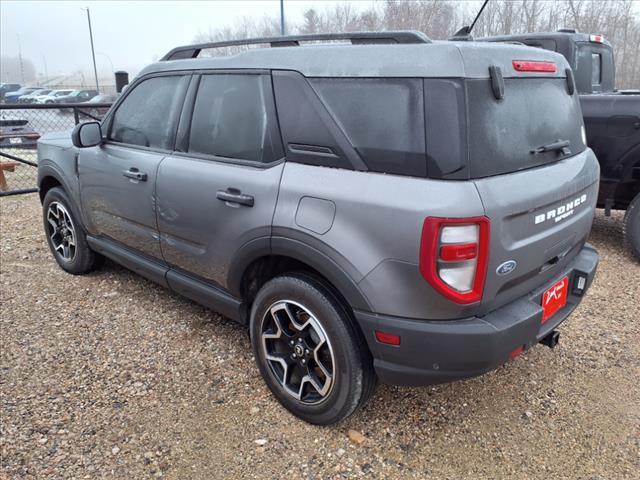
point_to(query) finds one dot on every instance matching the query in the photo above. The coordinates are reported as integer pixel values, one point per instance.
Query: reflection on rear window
(596, 69)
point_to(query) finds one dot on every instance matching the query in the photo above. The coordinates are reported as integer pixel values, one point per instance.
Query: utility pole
(93, 54)
(46, 73)
(282, 17)
(20, 60)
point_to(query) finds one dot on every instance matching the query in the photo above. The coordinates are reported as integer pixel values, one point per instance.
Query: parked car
(31, 97)
(51, 96)
(8, 87)
(611, 118)
(400, 210)
(100, 99)
(12, 97)
(16, 133)
(77, 96)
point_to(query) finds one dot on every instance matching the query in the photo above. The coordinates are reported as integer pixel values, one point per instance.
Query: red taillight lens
(532, 66)
(454, 256)
(456, 253)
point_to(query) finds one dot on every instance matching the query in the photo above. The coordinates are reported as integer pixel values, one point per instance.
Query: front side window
(148, 115)
(231, 119)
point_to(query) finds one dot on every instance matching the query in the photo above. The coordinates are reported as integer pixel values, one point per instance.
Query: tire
(631, 228)
(340, 366)
(65, 236)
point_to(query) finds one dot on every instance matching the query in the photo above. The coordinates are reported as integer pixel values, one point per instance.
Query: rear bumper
(442, 351)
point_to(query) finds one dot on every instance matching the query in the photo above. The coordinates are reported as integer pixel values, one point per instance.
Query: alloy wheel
(298, 351)
(61, 231)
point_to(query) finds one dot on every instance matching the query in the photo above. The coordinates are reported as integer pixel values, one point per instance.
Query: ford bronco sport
(395, 208)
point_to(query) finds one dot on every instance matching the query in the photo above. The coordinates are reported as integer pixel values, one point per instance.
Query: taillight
(532, 66)
(596, 38)
(454, 256)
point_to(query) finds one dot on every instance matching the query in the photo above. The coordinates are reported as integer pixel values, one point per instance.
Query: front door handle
(233, 195)
(135, 174)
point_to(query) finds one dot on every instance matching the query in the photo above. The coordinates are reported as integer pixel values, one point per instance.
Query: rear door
(117, 178)
(218, 191)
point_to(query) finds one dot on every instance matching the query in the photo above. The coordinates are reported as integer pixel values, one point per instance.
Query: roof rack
(356, 38)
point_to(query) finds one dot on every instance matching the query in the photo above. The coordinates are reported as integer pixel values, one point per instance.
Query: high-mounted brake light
(534, 66)
(596, 38)
(454, 254)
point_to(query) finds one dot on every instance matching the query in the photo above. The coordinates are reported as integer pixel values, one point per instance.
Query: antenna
(464, 34)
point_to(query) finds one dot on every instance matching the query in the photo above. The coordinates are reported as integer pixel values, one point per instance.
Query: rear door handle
(233, 195)
(135, 174)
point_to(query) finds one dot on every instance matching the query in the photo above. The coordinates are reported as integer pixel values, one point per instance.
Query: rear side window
(594, 68)
(148, 115)
(383, 118)
(231, 119)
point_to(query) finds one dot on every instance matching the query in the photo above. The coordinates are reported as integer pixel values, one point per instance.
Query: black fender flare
(308, 250)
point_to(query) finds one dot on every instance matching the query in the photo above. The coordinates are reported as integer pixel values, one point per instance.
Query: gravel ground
(109, 375)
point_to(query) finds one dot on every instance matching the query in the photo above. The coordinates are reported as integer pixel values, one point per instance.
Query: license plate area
(15, 140)
(554, 298)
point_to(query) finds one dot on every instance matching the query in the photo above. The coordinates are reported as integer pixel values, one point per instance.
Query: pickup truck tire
(631, 227)
(308, 350)
(65, 236)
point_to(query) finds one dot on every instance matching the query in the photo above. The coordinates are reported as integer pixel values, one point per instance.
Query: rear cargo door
(540, 219)
(537, 179)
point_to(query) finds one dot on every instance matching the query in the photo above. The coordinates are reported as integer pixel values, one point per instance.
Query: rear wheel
(308, 350)
(631, 227)
(65, 236)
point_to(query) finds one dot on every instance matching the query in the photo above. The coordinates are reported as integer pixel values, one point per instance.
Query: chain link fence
(20, 128)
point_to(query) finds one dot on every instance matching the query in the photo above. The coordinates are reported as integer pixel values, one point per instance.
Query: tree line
(617, 20)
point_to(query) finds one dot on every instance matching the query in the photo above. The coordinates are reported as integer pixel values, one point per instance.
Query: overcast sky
(129, 33)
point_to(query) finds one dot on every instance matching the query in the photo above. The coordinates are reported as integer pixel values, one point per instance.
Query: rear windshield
(504, 134)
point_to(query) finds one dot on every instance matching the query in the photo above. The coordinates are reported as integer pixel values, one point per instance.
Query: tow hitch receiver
(552, 339)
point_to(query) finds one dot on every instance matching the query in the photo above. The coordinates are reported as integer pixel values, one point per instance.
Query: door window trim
(108, 122)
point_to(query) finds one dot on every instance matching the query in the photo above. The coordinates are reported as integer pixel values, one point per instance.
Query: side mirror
(87, 134)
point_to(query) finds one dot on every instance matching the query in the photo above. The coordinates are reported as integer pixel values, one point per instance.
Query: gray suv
(386, 208)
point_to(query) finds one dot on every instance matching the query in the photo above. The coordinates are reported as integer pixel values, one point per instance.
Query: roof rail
(356, 38)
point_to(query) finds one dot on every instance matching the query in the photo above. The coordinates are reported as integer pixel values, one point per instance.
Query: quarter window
(147, 116)
(383, 118)
(231, 118)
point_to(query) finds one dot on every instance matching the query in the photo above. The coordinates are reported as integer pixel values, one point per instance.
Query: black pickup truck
(611, 118)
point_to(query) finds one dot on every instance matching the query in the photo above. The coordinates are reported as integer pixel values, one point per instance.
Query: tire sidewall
(632, 227)
(347, 359)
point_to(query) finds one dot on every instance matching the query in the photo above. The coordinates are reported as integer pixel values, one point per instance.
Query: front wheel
(65, 236)
(631, 227)
(308, 350)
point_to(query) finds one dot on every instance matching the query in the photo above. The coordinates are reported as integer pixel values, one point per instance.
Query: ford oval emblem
(506, 267)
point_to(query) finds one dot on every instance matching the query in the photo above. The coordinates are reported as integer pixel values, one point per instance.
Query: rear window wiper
(561, 146)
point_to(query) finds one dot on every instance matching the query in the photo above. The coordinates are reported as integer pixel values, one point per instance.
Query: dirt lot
(109, 375)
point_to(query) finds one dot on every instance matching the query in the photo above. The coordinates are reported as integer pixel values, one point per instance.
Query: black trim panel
(152, 270)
